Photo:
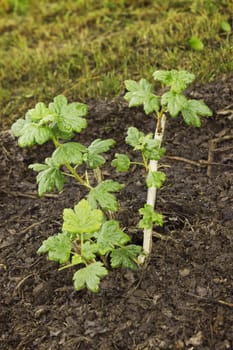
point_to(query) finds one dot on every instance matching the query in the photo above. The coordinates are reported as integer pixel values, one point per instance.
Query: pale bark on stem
(151, 193)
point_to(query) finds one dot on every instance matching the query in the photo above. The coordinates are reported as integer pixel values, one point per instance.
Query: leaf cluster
(58, 122)
(86, 237)
(59, 119)
(172, 101)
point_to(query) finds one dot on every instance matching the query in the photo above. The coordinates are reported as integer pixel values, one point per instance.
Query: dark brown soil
(182, 299)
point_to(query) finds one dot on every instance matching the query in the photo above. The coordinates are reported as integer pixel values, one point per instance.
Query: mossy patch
(86, 49)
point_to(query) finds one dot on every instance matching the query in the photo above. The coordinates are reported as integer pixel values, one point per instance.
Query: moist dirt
(182, 298)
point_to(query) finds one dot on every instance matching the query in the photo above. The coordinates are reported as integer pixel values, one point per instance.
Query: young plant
(173, 102)
(88, 238)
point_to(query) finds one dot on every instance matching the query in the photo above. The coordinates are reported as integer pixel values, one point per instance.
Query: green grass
(87, 48)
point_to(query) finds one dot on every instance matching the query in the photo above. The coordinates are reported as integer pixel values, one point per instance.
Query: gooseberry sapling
(172, 102)
(89, 239)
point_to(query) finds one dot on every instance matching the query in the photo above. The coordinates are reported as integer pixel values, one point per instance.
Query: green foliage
(47, 123)
(83, 219)
(90, 71)
(49, 177)
(102, 195)
(141, 93)
(126, 256)
(226, 27)
(172, 101)
(58, 248)
(196, 43)
(121, 162)
(89, 234)
(70, 152)
(155, 179)
(177, 80)
(110, 236)
(150, 217)
(193, 110)
(69, 117)
(90, 277)
(149, 147)
(92, 158)
(31, 133)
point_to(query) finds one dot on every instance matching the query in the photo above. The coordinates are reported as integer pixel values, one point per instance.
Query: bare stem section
(151, 194)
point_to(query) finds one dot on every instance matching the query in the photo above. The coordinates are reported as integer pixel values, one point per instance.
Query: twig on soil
(211, 300)
(21, 283)
(30, 227)
(212, 149)
(199, 163)
(32, 195)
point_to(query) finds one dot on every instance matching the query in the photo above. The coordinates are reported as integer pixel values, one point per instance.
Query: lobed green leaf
(89, 277)
(177, 80)
(58, 248)
(70, 152)
(40, 113)
(110, 236)
(49, 177)
(126, 257)
(149, 217)
(141, 93)
(155, 179)
(83, 219)
(89, 250)
(92, 158)
(151, 148)
(102, 195)
(134, 137)
(121, 162)
(69, 116)
(193, 110)
(30, 133)
(174, 102)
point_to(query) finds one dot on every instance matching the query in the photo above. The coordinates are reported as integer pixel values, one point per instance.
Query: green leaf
(141, 93)
(177, 80)
(146, 143)
(31, 133)
(151, 148)
(121, 162)
(134, 137)
(193, 110)
(58, 248)
(39, 113)
(102, 195)
(89, 276)
(18, 126)
(71, 152)
(155, 179)
(69, 116)
(83, 219)
(89, 251)
(149, 217)
(126, 257)
(76, 259)
(92, 158)
(49, 176)
(110, 236)
(174, 102)
(196, 43)
(58, 134)
(226, 27)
